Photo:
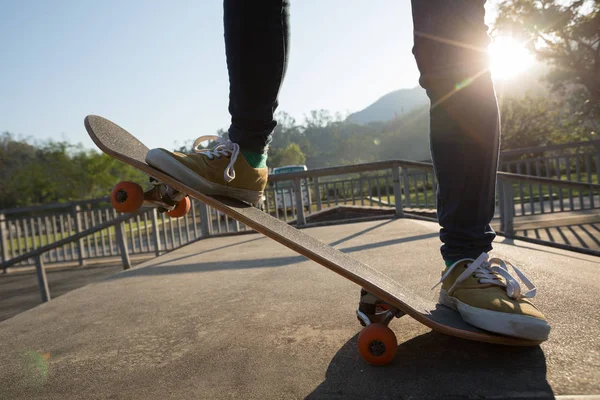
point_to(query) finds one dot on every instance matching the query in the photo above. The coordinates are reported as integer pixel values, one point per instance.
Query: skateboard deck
(120, 144)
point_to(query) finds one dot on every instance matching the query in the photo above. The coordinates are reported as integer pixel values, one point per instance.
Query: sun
(508, 58)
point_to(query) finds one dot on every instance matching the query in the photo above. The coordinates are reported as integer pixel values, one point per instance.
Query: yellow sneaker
(220, 171)
(488, 297)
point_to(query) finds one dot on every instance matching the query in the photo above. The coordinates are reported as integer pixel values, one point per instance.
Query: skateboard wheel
(181, 209)
(377, 344)
(127, 197)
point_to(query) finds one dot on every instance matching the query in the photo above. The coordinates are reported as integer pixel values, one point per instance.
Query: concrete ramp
(244, 317)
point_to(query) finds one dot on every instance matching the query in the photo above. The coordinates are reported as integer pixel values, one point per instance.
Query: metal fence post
(361, 194)
(40, 271)
(300, 219)
(397, 191)
(3, 239)
(317, 190)
(406, 184)
(78, 226)
(122, 242)
(508, 212)
(156, 232)
(205, 220)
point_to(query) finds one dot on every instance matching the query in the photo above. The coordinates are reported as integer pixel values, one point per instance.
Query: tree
(14, 155)
(528, 122)
(291, 155)
(566, 35)
(534, 122)
(52, 171)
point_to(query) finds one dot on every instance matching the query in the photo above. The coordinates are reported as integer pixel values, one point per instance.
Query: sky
(158, 68)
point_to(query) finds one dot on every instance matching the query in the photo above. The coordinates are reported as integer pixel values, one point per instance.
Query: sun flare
(508, 58)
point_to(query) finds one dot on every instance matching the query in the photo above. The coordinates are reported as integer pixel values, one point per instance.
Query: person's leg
(450, 46)
(256, 43)
(451, 51)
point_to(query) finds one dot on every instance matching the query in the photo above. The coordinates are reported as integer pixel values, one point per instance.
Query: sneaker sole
(161, 160)
(515, 325)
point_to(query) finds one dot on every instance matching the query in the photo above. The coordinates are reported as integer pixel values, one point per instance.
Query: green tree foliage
(528, 122)
(14, 155)
(566, 35)
(323, 140)
(291, 155)
(56, 172)
(534, 122)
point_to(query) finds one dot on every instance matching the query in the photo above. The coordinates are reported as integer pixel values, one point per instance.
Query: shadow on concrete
(545, 249)
(208, 266)
(360, 233)
(158, 261)
(20, 291)
(389, 242)
(591, 235)
(159, 268)
(586, 236)
(436, 366)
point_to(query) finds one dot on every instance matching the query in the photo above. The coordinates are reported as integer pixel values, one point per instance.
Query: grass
(532, 190)
(37, 241)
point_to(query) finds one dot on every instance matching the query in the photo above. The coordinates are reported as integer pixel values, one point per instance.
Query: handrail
(41, 250)
(349, 169)
(506, 189)
(373, 166)
(537, 149)
(379, 165)
(510, 177)
(272, 178)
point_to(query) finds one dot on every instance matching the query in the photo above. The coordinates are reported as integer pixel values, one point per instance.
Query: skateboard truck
(372, 310)
(130, 197)
(162, 196)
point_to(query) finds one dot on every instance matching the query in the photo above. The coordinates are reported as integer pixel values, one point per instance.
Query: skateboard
(377, 343)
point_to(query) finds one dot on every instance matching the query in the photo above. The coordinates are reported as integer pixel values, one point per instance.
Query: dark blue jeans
(450, 42)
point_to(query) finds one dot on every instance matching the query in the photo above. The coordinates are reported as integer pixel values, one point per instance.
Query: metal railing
(372, 184)
(393, 185)
(396, 184)
(574, 162)
(147, 232)
(25, 229)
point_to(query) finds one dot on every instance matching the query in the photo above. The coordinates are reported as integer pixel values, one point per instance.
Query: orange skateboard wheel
(181, 209)
(127, 197)
(377, 344)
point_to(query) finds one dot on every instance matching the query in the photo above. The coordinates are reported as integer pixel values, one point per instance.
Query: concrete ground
(244, 317)
(20, 290)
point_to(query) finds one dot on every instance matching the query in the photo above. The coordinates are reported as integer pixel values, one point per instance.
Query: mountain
(402, 102)
(403, 115)
(391, 106)
(407, 137)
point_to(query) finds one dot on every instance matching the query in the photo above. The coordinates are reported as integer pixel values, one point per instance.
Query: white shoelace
(492, 271)
(223, 147)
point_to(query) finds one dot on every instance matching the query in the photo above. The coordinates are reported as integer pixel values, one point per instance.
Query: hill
(400, 103)
(391, 106)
